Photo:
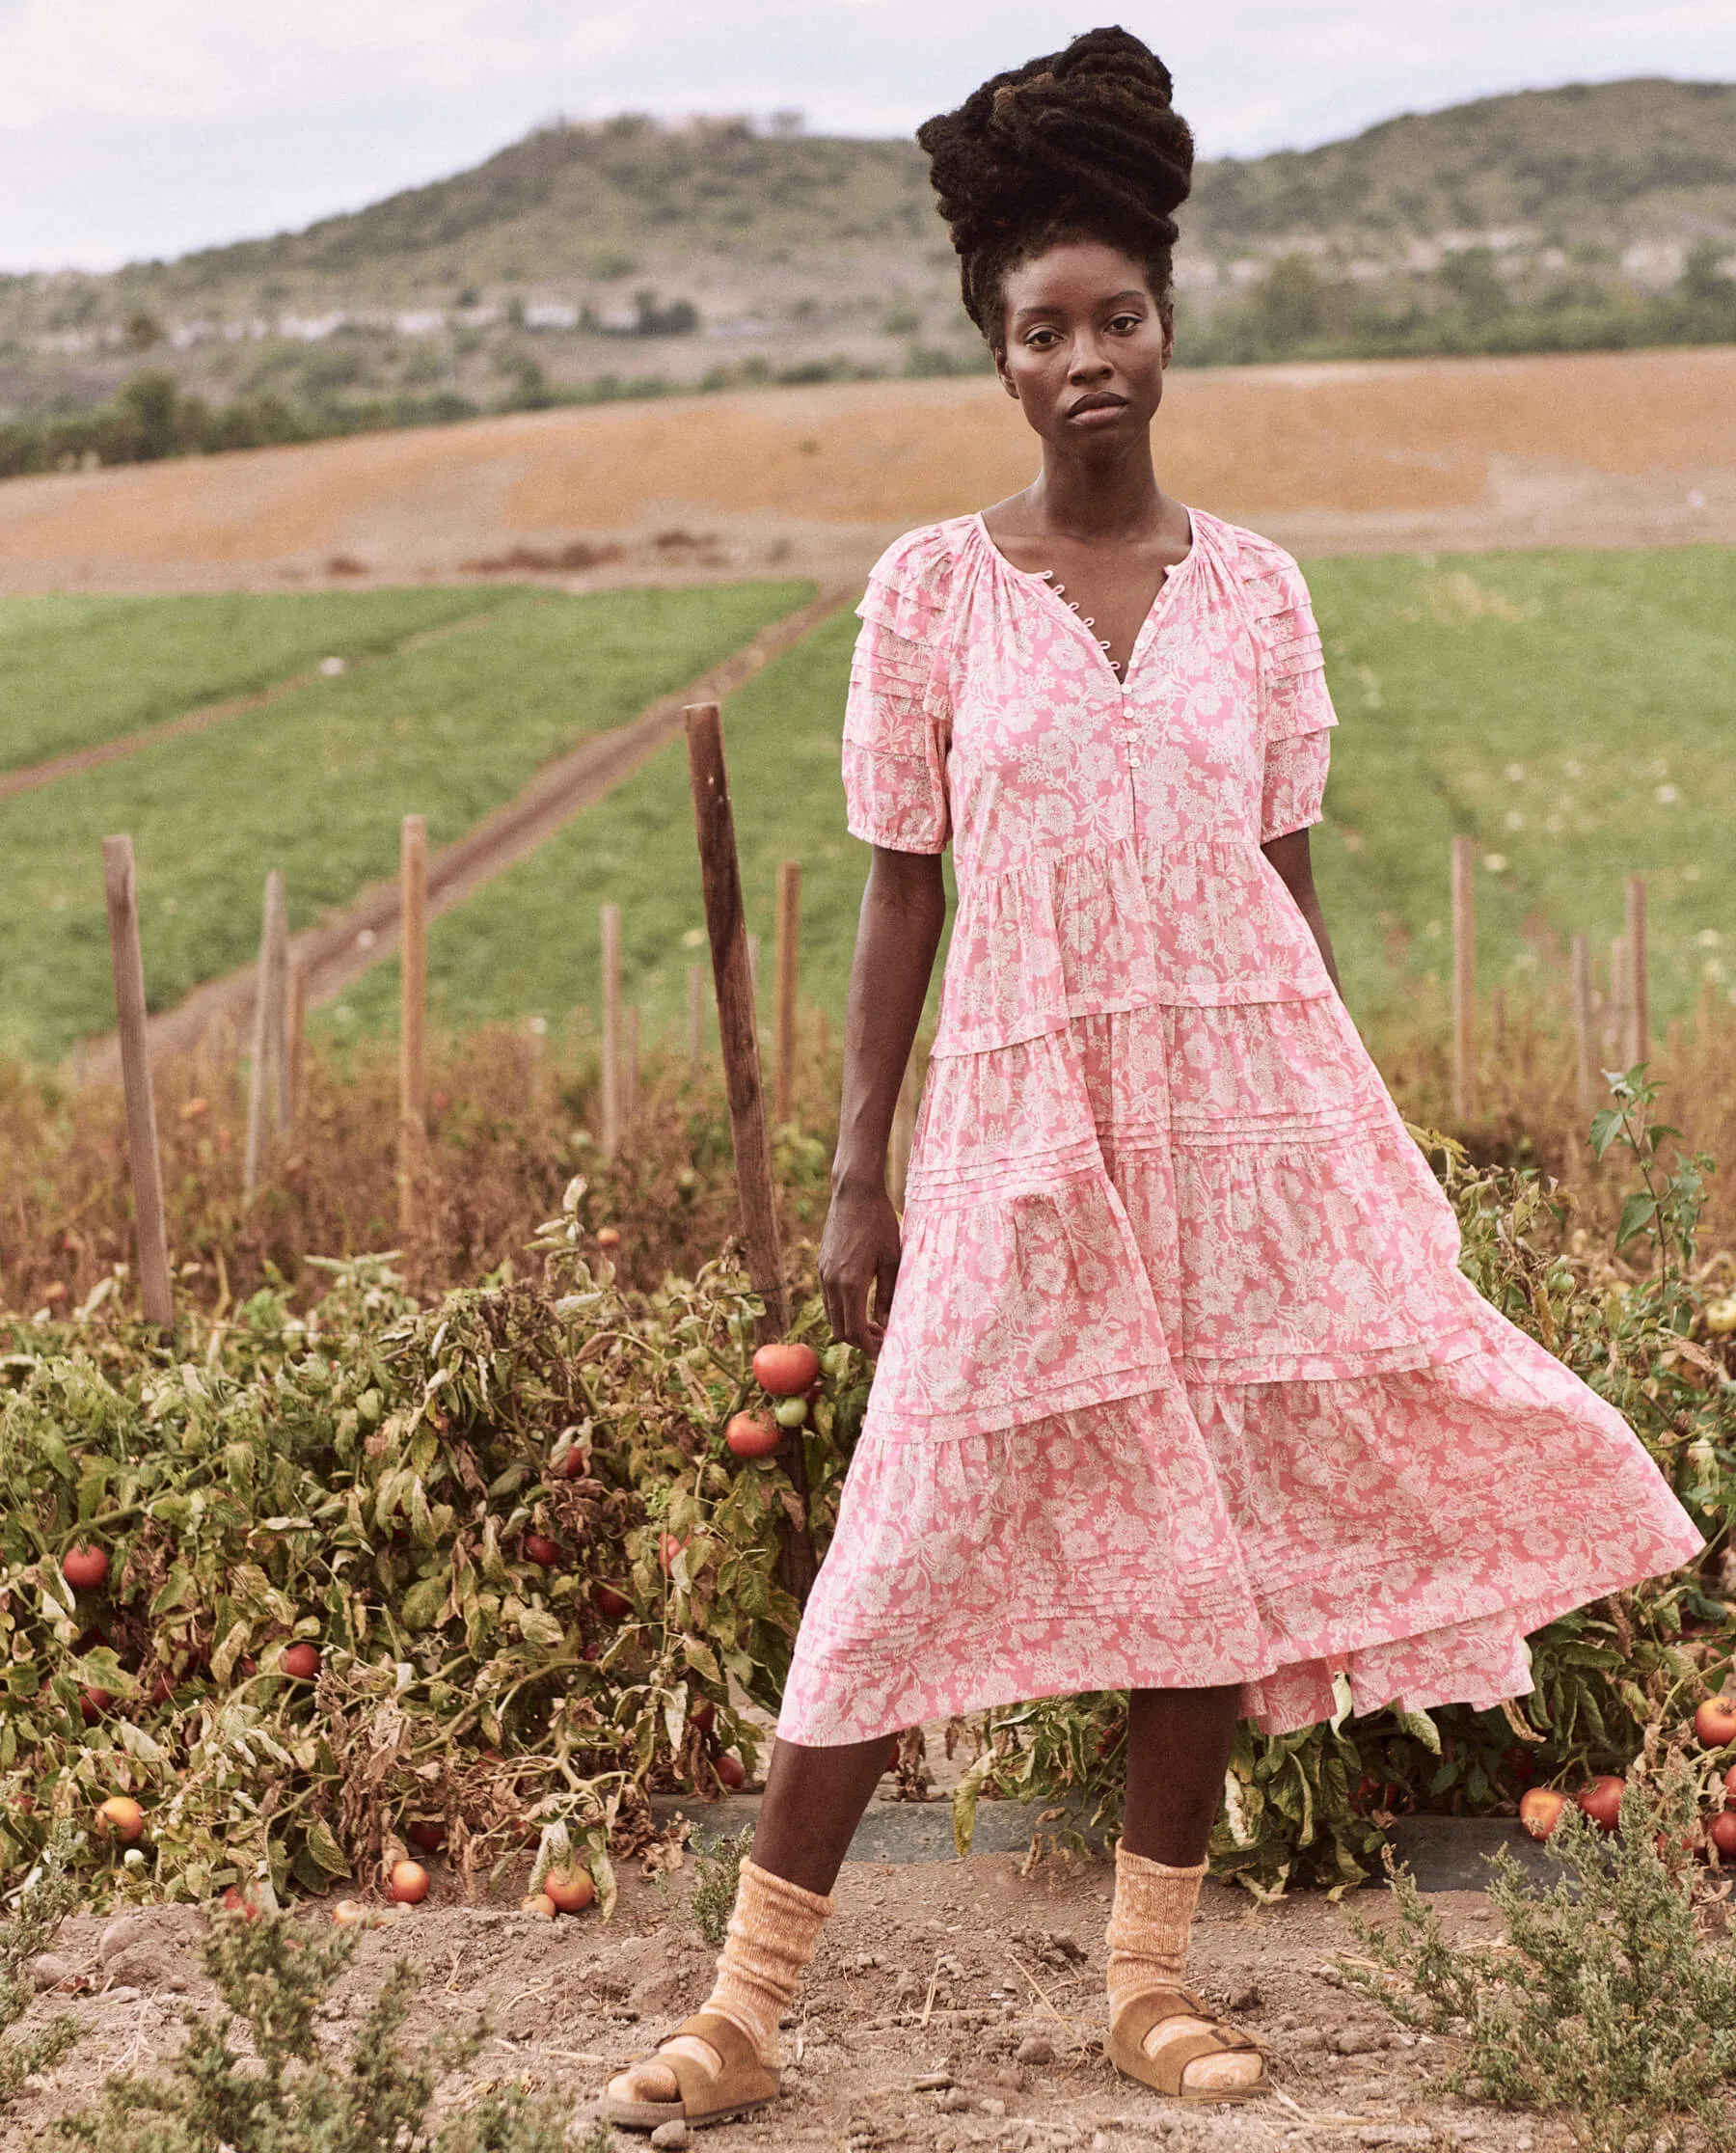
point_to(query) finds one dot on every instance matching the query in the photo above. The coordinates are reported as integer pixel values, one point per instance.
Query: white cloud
(146, 127)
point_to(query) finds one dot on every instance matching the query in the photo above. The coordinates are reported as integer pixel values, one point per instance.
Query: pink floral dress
(1181, 1383)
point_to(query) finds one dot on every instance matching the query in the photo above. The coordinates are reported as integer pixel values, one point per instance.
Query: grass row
(1571, 710)
(316, 783)
(78, 672)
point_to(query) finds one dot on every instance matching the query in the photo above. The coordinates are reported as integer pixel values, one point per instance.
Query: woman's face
(1085, 344)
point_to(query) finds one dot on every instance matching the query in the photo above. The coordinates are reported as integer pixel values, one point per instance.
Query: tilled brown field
(953, 2004)
(1602, 450)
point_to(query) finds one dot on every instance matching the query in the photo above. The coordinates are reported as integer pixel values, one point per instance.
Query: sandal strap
(736, 2054)
(1143, 2012)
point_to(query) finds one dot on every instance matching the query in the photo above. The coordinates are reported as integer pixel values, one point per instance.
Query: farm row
(1567, 709)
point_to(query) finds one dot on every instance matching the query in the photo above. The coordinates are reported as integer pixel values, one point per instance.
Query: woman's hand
(858, 1256)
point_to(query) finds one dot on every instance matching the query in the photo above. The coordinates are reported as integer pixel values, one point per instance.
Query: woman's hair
(1077, 144)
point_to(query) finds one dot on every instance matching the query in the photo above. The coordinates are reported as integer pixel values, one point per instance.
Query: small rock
(122, 1932)
(1242, 1996)
(955, 2101)
(51, 1968)
(932, 2082)
(1358, 2040)
(674, 2132)
(120, 1996)
(989, 2105)
(1034, 2048)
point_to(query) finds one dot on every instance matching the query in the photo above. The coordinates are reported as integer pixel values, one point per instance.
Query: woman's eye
(1126, 321)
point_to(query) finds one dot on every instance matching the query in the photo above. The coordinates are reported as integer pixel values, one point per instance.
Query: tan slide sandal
(741, 2085)
(1165, 2072)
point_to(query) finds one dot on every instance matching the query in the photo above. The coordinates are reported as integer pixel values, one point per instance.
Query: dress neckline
(1045, 581)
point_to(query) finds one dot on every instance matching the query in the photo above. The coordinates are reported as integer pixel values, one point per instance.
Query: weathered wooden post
(268, 1077)
(696, 1020)
(1639, 1039)
(413, 1016)
(1621, 1001)
(1586, 1086)
(120, 889)
(1464, 978)
(721, 876)
(789, 959)
(610, 1136)
(297, 1041)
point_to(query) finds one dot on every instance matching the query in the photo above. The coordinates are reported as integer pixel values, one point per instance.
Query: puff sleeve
(897, 718)
(1296, 716)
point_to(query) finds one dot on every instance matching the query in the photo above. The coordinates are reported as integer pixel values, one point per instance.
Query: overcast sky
(131, 128)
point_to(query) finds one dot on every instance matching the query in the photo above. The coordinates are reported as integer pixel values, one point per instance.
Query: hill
(626, 254)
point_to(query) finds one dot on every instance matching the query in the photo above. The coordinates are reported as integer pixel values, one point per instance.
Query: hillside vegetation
(626, 256)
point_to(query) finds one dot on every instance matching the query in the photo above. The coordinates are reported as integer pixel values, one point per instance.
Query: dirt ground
(1595, 449)
(952, 2004)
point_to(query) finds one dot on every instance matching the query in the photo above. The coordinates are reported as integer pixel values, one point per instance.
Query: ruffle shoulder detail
(910, 584)
(1292, 664)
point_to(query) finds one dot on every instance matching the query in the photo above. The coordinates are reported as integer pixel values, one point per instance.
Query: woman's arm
(903, 908)
(1289, 856)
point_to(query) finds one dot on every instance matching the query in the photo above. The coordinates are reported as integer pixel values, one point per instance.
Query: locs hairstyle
(1077, 144)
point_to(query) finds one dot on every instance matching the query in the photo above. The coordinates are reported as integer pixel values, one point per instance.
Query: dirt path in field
(33, 777)
(1605, 449)
(952, 2004)
(338, 949)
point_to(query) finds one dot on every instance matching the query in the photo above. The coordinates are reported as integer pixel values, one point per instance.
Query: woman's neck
(1115, 502)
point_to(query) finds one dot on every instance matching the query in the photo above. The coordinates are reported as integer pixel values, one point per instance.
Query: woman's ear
(1006, 379)
(1169, 339)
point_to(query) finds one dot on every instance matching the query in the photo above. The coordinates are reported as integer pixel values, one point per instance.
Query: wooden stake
(789, 959)
(903, 1130)
(720, 873)
(267, 1078)
(611, 1134)
(1622, 1002)
(413, 1015)
(1464, 978)
(696, 1020)
(1586, 1085)
(1638, 1046)
(121, 887)
(297, 1040)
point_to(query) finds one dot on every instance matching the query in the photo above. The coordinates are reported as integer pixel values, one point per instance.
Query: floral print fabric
(1182, 1384)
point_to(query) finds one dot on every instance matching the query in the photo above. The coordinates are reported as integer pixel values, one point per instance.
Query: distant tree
(1473, 277)
(143, 330)
(1290, 305)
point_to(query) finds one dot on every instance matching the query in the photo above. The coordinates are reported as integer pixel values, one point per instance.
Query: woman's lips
(1097, 411)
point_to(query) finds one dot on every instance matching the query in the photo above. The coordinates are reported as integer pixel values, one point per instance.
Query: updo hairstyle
(1077, 144)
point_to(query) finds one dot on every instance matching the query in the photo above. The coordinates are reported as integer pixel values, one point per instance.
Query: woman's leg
(813, 1801)
(1179, 1744)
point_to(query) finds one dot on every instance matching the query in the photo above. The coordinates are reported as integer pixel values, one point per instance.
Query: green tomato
(790, 1412)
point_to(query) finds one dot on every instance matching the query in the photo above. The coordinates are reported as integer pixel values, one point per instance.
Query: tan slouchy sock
(1148, 1928)
(772, 1931)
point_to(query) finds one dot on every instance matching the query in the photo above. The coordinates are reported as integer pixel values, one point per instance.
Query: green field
(316, 783)
(1587, 695)
(76, 671)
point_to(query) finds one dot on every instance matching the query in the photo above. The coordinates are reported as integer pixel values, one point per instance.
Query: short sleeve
(1296, 716)
(897, 718)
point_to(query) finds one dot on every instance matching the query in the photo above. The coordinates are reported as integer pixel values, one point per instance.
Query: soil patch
(952, 2004)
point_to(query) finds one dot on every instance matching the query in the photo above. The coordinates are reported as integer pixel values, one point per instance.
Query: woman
(1181, 1390)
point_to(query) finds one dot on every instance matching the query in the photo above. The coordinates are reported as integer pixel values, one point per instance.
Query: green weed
(716, 1872)
(213, 2098)
(48, 1897)
(1608, 2001)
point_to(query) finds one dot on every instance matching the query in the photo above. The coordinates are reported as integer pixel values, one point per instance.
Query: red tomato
(540, 1904)
(85, 1568)
(703, 1716)
(408, 1883)
(430, 1835)
(1730, 1785)
(237, 1902)
(609, 1604)
(609, 1236)
(1540, 1809)
(1520, 1764)
(1722, 1831)
(572, 1465)
(730, 1770)
(1715, 1723)
(93, 1704)
(120, 1817)
(539, 1549)
(785, 1370)
(1601, 1800)
(300, 1661)
(570, 1887)
(752, 1435)
(668, 1548)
